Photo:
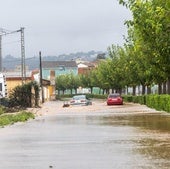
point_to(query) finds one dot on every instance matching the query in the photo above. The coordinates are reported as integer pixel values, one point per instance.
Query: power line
(4, 32)
(11, 42)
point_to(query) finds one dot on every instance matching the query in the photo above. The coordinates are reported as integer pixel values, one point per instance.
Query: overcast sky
(62, 26)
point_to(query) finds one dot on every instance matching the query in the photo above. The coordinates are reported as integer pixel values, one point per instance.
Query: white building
(3, 87)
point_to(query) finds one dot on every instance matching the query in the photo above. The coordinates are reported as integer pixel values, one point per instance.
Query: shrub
(158, 102)
(2, 110)
(127, 98)
(22, 96)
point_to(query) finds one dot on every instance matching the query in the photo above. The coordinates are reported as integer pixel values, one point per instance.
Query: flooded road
(88, 137)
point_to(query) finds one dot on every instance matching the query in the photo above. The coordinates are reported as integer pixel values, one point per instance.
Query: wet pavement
(131, 136)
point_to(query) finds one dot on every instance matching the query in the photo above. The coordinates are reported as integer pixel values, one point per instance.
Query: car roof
(79, 96)
(114, 94)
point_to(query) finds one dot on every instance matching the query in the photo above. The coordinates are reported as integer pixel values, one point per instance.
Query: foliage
(97, 96)
(135, 99)
(66, 97)
(22, 96)
(8, 119)
(148, 33)
(73, 82)
(159, 102)
(2, 110)
(101, 56)
(127, 98)
(61, 82)
(144, 58)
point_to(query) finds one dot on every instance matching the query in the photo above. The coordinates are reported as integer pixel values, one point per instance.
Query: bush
(158, 102)
(128, 98)
(22, 116)
(2, 110)
(22, 96)
(66, 96)
(97, 96)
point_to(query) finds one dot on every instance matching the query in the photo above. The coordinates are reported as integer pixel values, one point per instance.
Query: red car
(114, 99)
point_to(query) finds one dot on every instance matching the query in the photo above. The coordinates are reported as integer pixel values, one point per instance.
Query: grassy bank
(8, 119)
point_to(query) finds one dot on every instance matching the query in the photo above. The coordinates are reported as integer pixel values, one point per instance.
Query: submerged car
(114, 99)
(80, 100)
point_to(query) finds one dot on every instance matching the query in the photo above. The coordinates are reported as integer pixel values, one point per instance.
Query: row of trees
(148, 44)
(143, 60)
(73, 82)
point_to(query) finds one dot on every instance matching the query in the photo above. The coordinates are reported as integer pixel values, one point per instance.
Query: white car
(80, 100)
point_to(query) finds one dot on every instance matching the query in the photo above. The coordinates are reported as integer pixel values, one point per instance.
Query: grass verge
(9, 119)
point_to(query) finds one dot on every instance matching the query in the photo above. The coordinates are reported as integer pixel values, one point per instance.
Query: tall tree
(151, 27)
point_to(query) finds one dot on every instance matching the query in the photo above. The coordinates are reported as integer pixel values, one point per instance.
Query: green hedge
(97, 96)
(135, 99)
(66, 96)
(158, 102)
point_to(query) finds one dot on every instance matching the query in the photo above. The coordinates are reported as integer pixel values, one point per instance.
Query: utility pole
(7, 32)
(0, 53)
(41, 83)
(2, 32)
(23, 70)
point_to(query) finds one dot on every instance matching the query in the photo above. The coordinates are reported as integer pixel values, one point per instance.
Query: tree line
(144, 59)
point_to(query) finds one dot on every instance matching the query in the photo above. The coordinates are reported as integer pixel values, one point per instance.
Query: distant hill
(10, 62)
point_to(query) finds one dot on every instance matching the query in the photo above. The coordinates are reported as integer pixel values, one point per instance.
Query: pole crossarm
(7, 32)
(4, 32)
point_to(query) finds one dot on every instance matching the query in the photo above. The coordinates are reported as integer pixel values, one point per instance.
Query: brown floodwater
(114, 139)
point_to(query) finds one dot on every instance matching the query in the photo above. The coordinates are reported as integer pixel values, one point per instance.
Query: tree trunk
(58, 92)
(159, 88)
(164, 88)
(99, 90)
(127, 90)
(120, 91)
(103, 91)
(134, 91)
(75, 91)
(148, 90)
(91, 88)
(168, 86)
(143, 89)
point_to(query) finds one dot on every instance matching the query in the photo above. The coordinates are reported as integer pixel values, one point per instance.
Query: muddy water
(116, 139)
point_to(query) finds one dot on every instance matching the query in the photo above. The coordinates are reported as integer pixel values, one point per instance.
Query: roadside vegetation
(8, 119)
(144, 59)
(13, 109)
(24, 96)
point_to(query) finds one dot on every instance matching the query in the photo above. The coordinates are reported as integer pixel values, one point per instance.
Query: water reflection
(155, 148)
(98, 141)
(146, 121)
(153, 141)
